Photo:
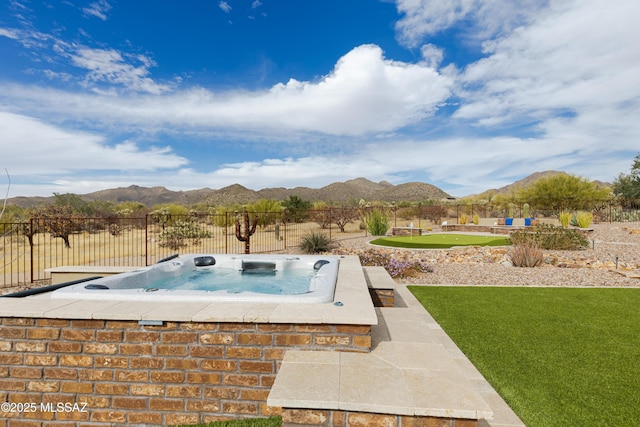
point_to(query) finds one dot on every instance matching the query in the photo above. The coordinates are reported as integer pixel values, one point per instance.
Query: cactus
(249, 229)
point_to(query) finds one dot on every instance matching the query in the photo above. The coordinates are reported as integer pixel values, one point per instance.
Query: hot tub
(215, 277)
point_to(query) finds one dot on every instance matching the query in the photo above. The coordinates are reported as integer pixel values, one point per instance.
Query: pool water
(282, 282)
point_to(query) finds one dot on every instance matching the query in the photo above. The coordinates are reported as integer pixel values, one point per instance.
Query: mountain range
(354, 189)
(341, 192)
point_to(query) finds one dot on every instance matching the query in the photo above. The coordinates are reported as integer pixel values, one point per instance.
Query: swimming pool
(217, 277)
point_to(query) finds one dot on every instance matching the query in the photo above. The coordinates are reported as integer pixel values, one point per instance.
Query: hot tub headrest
(204, 261)
(319, 264)
(258, 267)
(95, 286)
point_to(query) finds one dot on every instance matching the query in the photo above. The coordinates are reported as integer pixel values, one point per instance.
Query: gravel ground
(593, 267)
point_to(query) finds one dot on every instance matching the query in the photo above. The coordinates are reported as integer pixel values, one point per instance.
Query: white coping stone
(351, 290)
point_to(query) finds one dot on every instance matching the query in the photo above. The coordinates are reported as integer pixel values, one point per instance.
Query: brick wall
(327, 418)
(180, 372)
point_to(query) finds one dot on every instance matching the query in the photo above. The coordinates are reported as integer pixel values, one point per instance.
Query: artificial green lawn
(558, 356)
(440, 241)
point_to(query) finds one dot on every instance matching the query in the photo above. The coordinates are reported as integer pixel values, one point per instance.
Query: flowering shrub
(396, 267)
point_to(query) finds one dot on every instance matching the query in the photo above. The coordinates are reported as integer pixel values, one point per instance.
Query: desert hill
(341, 192)
(524, 182)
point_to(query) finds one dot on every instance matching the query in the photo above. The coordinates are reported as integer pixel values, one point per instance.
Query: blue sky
(467, 95)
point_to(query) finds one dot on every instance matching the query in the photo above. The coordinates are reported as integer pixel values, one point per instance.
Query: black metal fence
(28, 250)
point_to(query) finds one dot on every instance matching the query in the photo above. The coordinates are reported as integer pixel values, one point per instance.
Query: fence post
(31, 248)
(146, 239)
(284, 223)
(226, 232)
(610, 213)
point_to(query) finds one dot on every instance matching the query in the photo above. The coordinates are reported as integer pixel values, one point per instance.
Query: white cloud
(432, 55)
(575, 59)
(481, 18)
(98, 9)
(365, 93)
(225, 7)
(109, 66)
(32, 147)
(8, 33)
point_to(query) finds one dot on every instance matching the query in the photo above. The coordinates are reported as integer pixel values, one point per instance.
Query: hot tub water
(246, 278)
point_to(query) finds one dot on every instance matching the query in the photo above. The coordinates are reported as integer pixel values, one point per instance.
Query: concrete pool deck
(413, 370)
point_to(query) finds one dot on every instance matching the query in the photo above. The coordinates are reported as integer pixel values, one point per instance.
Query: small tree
(297, 209)
(59, 221)
(627, 186)
(434, 213)
(343, 215)
(563, 192)
(268, 211)
(320, 214)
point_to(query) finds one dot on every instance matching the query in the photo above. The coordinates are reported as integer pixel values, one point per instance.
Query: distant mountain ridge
(525, 182)
(341, 192)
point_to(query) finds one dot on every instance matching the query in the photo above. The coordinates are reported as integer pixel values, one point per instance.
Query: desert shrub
(463, 219)
(433, 212)
(175, 236)
(565, 218)
(476, 219)
(407, 212)
(320, 214)
(582, 219)
(268, 211)
(313, 243)
(526, 255)
(377, 222)
(396, 267)
(620, 215)
(550, 237)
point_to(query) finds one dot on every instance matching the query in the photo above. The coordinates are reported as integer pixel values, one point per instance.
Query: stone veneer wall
(180, 372)
(332, 418)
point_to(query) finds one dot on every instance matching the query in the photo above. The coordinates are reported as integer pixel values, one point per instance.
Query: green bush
(526, 255)
(174, 237)
(565, 218)
(582, 219)
(313, 243)
(377, 222)
(550, 237)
